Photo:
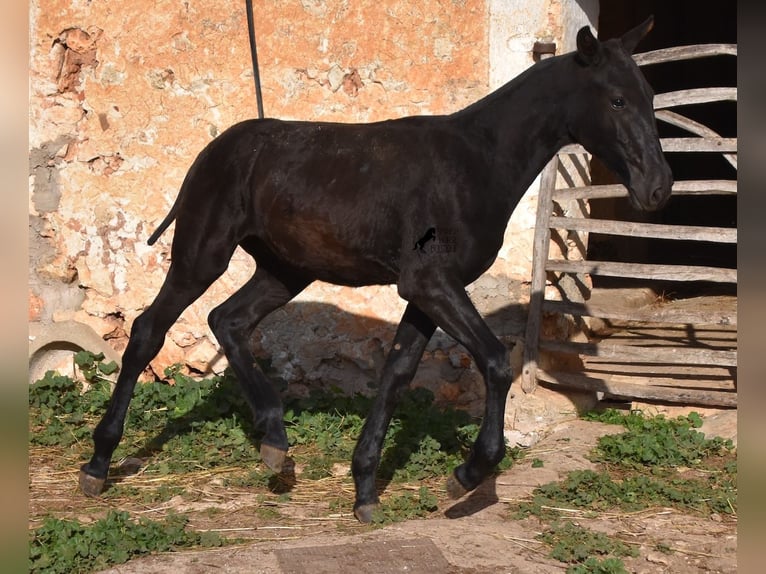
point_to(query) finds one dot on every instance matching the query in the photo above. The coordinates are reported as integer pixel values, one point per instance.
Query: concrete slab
(413, 556)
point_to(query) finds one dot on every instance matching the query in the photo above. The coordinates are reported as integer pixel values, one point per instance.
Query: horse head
(613, 116)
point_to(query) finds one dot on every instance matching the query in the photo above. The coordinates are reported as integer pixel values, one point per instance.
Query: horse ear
(631, 38)
(588, 47)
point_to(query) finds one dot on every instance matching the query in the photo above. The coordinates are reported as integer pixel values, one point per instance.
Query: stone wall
(123, 96)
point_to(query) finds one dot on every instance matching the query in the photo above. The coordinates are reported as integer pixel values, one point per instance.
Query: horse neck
(525, 123)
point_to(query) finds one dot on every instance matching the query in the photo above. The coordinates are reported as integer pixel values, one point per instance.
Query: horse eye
(618, 103)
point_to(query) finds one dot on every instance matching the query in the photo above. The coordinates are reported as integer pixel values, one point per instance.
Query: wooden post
(540, 249)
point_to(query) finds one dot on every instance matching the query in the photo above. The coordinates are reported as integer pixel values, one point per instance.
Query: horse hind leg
(412, 336)
(182, 286)
(233, 323)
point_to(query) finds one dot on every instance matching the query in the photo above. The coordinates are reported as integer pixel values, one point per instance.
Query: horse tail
(172, 214)
(164, 225)
(200, 162)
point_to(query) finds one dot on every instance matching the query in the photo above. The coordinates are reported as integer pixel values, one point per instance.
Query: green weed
(595, 565)
(584, 550)
(656, 441)
(405, 506)
(65, 546)
(60, 412)
(93, 367)
(599, 491)
(656, 462)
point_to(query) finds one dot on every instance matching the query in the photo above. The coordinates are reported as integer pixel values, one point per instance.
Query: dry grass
(290, 506)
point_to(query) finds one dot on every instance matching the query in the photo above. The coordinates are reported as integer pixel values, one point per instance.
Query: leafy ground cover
(187, 473)
(66, 546)
(179, 435)
(657, 462)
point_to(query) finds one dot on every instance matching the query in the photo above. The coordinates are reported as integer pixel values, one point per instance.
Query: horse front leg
(412, 336)
(489, 449)
(447, 304)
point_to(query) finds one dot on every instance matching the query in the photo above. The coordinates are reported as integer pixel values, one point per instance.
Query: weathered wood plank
(702, 145)
(611, 388)
(690, 144)
(694, 96)
(723, 317)
(649, 354)
(645, 271)
(685, 187)
(540, 251)
(678, 53)
(652, 230)
(678, 120)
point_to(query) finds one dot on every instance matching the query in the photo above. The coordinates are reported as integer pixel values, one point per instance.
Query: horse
(344, 203)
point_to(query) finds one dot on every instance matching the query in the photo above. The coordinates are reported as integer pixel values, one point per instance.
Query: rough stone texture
(122, 98)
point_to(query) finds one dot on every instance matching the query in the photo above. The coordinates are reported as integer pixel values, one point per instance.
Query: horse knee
(498, 368)
(223, 325)
(403, 364)
(146, 340)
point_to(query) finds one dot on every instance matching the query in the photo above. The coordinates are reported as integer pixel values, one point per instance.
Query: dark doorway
(677, 23)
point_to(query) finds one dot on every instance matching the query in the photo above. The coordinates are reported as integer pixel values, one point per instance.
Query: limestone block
(47, 342)
(528, 416)
(205, 357)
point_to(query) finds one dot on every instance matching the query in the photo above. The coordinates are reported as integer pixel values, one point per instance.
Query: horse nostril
(658, 197)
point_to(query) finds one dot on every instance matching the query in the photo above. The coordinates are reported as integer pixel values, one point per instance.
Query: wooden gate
(681, 351)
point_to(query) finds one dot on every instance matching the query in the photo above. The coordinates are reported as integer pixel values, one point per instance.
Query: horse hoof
(91, 485)
(364, 512)
(455, 490)
(273, 457)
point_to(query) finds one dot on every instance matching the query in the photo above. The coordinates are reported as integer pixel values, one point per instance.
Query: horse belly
(335, 248)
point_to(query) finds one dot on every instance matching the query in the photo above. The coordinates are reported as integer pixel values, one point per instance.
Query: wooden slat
(710, 376)
(681, 121)
(685, 187)
(645, 271)
(690, 125)
(653, 230)
(608, 386)
(694, 96)
(678, 53)
(706, 145)
(648, 354)
(715, 145)
(572, 149)
(701, 318)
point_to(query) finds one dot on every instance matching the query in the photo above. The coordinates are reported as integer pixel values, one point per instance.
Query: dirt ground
(472, 535)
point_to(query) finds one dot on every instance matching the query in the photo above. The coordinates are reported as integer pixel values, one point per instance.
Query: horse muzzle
(654, 192)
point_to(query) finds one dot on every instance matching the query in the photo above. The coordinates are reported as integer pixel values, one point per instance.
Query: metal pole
(254, 55)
